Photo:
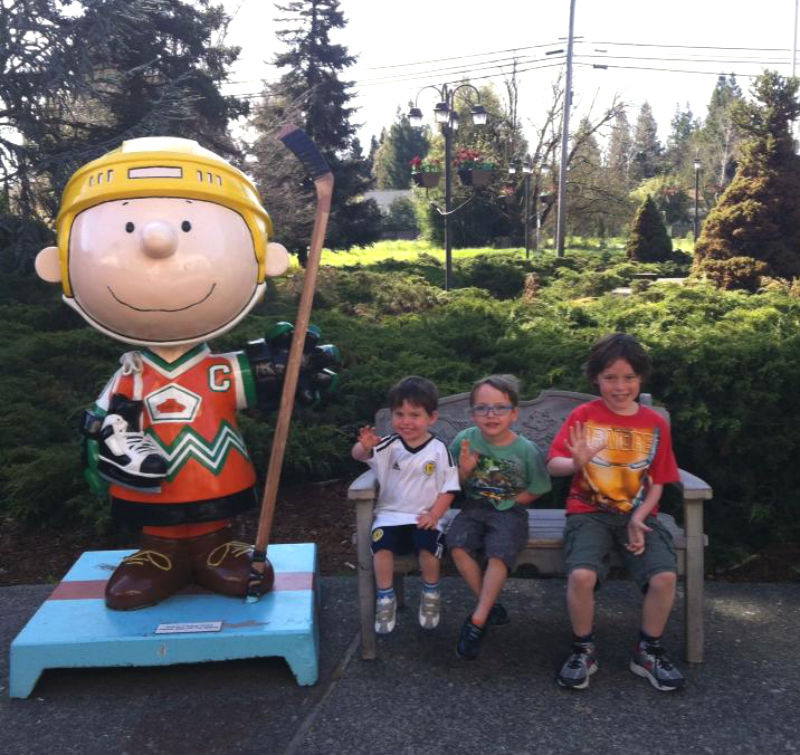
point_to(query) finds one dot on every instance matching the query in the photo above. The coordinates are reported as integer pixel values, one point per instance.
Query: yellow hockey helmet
(162, 166)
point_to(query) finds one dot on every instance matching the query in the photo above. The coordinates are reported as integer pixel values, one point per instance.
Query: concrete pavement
(419, 697)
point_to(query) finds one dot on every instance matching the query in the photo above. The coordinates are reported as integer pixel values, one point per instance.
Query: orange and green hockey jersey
(189, 410)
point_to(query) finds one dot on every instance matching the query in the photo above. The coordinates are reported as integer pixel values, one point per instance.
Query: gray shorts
(589, 538)
(480, 529)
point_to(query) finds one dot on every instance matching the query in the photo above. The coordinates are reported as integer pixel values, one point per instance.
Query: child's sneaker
(430, 606)
(385, 615)
(469, 640)
(580, 665)
(651, 662)
(498, 616)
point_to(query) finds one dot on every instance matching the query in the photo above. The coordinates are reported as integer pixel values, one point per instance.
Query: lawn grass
(410, 250)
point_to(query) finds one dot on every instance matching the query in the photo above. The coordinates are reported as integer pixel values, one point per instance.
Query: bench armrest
(364, 487)
(695, 489)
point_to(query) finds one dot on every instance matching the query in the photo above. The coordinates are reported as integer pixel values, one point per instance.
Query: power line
(694, 47)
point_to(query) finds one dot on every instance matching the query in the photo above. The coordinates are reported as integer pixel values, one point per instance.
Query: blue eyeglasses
(484, 410)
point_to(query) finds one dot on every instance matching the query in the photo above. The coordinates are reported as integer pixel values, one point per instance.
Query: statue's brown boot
(158, 569)
(222, 564)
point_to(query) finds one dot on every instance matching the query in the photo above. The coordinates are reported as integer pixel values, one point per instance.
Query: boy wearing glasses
(501, 472)
(418, 481)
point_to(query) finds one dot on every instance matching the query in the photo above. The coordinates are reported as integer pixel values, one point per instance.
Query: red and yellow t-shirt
(638, 454)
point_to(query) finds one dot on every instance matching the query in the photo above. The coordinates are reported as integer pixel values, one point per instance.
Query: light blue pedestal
(74, 629)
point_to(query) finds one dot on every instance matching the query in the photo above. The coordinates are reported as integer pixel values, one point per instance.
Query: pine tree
(619, 150)
(586, 195)
(648, 240)
(311, 93)
(617, 174)
(107, 71)
(646, 151)
(720, 138)
(754, 229)
(393, 157)
(678, 155)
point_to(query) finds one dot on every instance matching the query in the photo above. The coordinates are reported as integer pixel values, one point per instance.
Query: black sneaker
(469, 640)
(578, 667)
(651, 662)
(498, 616)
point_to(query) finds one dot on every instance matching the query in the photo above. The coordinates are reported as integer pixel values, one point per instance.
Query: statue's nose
(159, 239)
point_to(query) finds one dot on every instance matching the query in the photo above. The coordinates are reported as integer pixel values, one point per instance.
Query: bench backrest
(539, 418)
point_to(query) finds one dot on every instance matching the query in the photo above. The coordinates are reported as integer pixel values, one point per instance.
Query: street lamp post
(446, 116)
(697, 166)
(527, 171)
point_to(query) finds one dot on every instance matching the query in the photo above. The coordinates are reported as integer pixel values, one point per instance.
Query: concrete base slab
(74, 629)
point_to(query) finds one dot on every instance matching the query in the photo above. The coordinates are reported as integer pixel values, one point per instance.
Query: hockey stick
(305, 150)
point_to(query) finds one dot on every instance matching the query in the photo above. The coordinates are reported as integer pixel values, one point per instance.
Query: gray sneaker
(651, 662)
(385, 615)
(580, 665)
(430, 606)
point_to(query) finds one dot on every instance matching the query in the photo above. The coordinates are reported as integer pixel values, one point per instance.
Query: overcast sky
(665, 53)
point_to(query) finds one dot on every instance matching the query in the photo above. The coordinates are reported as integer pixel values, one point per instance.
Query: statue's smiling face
(162, 269)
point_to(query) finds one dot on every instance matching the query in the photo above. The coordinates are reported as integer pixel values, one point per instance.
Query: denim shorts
(589, 539)
(480, 529)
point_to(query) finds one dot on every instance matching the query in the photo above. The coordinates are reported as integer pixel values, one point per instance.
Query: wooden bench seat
(539, 420)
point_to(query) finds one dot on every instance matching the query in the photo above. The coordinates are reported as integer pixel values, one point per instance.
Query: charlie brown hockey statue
(164, 245)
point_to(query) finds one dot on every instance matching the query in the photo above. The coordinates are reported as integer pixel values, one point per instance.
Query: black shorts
(406, 538)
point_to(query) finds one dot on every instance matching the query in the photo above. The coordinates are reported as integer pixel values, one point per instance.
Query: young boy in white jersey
(418, 481)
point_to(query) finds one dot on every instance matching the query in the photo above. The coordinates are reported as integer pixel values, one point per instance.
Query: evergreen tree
(754, 229)
(646, 151)
(620, 146)
(586, 195)
(648, 240)
(617, 175)
(311, 93)
(393, 157)
(679, 152)
(720, 138)
(107, 71)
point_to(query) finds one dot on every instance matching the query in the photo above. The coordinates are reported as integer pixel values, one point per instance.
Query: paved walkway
(419, 697)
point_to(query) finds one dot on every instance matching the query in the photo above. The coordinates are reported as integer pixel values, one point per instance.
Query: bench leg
(366, 579)
(693, 516)
(399, 584)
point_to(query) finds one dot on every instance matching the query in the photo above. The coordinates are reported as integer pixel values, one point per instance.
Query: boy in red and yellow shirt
(620, 457)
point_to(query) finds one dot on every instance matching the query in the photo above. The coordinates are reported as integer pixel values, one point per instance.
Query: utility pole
(794, 46)
(562, 172)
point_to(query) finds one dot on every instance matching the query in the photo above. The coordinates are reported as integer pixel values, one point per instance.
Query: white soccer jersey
(410, 478)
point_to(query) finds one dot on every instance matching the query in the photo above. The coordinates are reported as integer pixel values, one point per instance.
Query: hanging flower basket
(428, 179)
(425, 172)
(475, 177)
(473, 168)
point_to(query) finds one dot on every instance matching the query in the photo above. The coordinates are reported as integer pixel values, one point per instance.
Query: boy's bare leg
(580, 600)
(429, 566)
(383, 563)
(493, 581)
(658, 602)
(469, 569)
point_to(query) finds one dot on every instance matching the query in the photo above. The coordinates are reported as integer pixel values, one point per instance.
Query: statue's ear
(48, 265)
(277, 259)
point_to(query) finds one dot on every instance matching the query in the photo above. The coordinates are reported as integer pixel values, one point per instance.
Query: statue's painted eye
(186, 226)
(129, 227)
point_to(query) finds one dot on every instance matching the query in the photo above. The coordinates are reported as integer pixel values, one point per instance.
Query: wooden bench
(539, 420)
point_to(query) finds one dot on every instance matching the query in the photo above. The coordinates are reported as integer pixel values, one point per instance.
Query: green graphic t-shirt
(503, 471)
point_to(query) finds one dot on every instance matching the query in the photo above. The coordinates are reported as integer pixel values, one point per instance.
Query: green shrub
(648, 240)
